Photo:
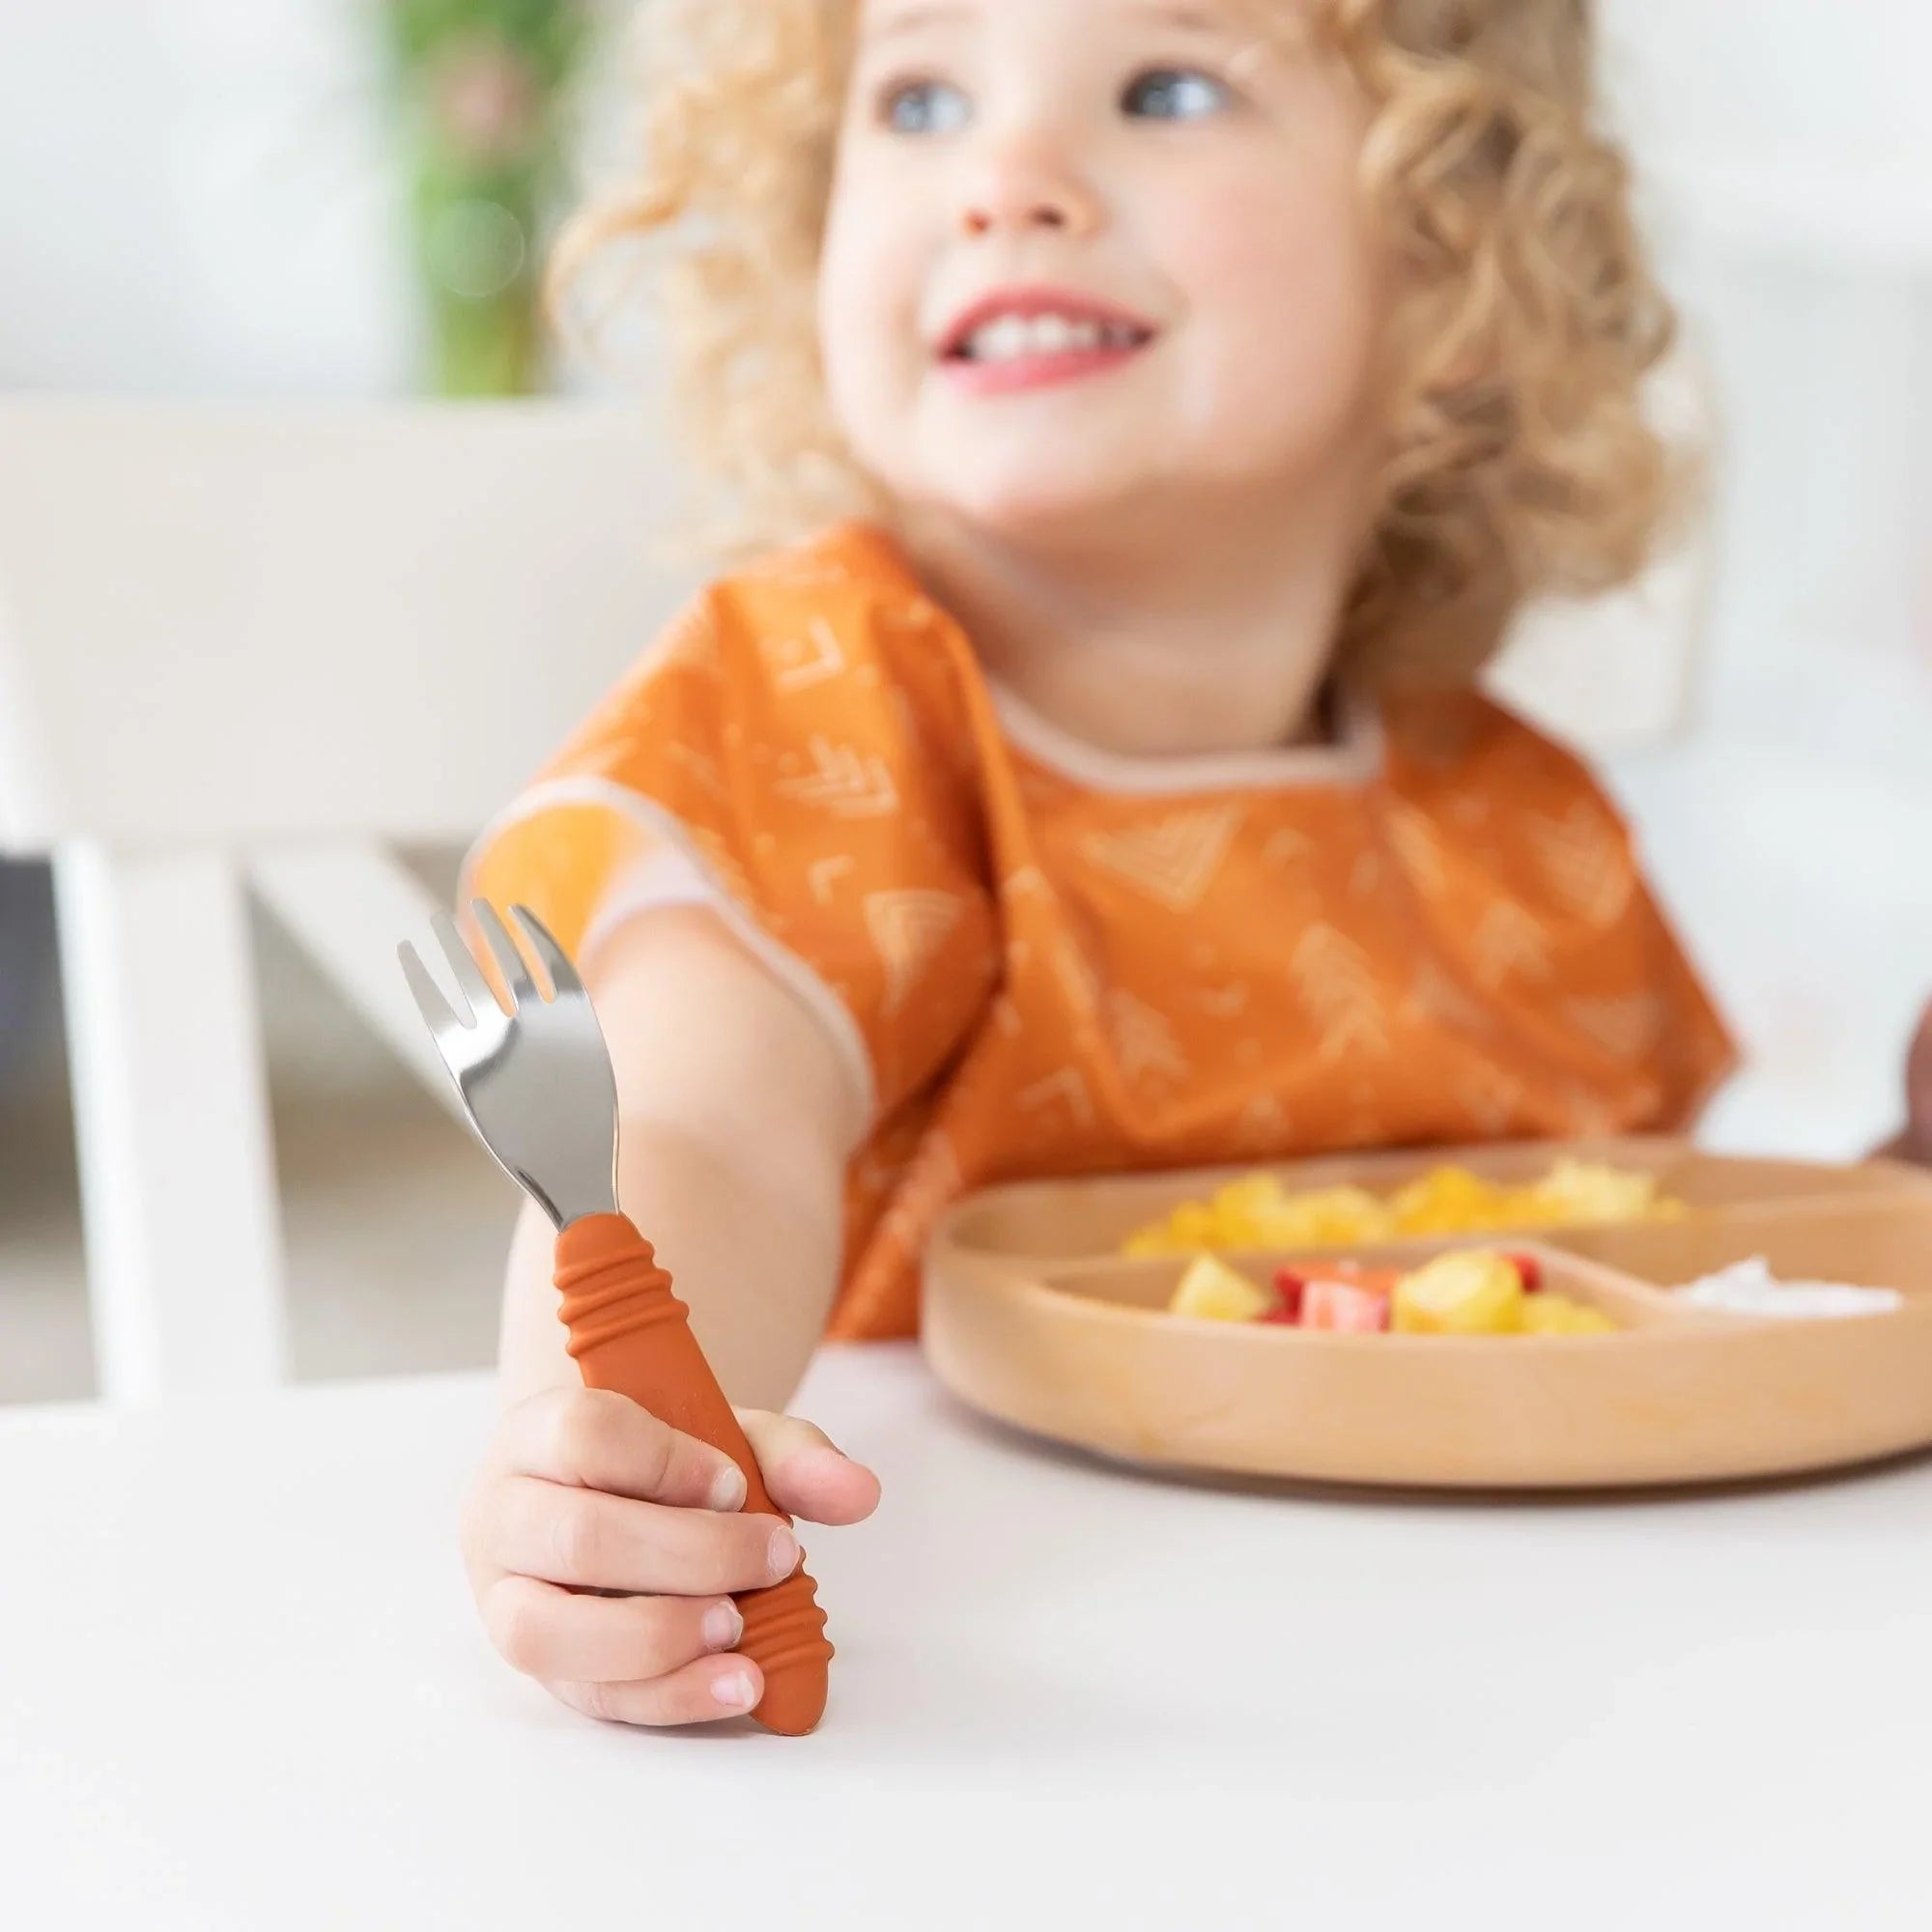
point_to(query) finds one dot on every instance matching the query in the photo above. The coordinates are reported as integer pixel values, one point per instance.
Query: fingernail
(727, 1487)
(734, 1692)
(723, 1626)
(784, 1554)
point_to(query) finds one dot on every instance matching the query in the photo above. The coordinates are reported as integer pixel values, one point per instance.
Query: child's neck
(1173, 639)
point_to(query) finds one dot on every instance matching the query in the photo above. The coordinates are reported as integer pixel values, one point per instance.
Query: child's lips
(1032, 370)
(1032, 338)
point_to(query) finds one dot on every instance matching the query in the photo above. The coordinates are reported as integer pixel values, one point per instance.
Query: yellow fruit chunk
(1448, 1201)
(1579, 1192)
(1213, 1291)
(1476, 1292)
(1558, 1315)
(1255, 1211)
(1544, 1315)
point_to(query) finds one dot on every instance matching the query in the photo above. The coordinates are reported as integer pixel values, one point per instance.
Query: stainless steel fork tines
(535, 1080)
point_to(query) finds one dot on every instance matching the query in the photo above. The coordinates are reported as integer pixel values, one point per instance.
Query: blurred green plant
(484, 90)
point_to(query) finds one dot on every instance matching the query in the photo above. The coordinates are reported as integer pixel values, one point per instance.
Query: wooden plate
(1032, 1315)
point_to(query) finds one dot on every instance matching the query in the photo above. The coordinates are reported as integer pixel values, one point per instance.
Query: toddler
(1146, 419)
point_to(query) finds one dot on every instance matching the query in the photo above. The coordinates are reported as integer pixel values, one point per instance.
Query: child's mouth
(1032, 341)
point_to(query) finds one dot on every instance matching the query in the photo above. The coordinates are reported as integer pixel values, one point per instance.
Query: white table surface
(240, 1685)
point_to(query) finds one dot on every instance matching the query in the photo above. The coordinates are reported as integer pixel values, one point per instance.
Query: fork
(537, 1086)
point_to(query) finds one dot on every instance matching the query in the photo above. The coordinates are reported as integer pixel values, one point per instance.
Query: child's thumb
(805, 1473)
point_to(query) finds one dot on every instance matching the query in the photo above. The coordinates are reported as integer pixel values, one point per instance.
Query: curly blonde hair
(1518, 460)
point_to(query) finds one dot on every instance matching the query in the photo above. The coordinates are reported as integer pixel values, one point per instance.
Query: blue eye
(1174, 94)
(925, 107)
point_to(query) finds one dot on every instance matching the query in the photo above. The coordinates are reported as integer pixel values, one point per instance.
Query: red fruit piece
(1531, 1269)
(1288, 1284)
(1343, 1306)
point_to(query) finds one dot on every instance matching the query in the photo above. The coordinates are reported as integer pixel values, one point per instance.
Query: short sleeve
(785, 757)
(1533, 899)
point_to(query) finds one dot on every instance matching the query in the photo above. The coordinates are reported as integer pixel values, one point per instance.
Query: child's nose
(1024, 188)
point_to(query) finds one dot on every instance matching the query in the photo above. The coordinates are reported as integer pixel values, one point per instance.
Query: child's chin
(1033, 503)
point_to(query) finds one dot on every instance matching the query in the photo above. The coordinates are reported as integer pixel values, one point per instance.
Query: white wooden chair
(245, 648)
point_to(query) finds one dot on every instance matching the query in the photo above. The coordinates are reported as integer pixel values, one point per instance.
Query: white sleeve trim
(678, 875)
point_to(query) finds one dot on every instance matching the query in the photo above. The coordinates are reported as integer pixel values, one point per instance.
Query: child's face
(1084, 254)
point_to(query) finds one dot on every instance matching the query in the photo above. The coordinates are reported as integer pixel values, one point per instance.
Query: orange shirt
(1038, 958)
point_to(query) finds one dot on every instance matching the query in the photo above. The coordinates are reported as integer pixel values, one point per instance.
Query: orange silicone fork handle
(630, 1333)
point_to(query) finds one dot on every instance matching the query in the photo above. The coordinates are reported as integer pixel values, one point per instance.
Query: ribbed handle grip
(630, 1333)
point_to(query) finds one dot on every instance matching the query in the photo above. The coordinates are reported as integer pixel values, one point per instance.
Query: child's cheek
(1283, 286)
(870, 340)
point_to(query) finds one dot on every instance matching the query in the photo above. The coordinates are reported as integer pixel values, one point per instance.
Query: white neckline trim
(1353, 761)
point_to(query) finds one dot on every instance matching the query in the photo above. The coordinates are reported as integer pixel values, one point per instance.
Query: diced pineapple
(1558, 1315)
(1591, 1321)
(1193, 1224)
(1212, 1292)
(1474, 1292)
(1256, 1211)
(1447, 1200)
(1586, 1192)
(1332, 1217)
(1245, 1195)
(1544, 1315)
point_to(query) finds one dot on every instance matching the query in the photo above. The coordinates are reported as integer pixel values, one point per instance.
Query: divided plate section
(1145, 1286)
(1047, 1221)
(1082, 1351)
(1883, 1242)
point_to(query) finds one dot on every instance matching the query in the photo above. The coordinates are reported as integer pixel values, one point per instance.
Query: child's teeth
(1052, 335)
(1004, 341)
(1013, 336)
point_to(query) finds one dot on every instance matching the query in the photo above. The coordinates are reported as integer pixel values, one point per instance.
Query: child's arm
(737, 1123)
(737, 1120)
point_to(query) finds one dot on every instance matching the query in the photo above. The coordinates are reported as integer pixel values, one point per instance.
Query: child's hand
(583, 1490)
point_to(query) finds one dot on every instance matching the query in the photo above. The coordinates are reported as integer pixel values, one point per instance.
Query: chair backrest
(221, 626)
(225, 625)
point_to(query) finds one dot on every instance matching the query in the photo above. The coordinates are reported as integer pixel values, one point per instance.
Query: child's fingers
(700, 1694)
(805, 1474)
(592, 1541)
(596, 1439)
(553, 1635)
